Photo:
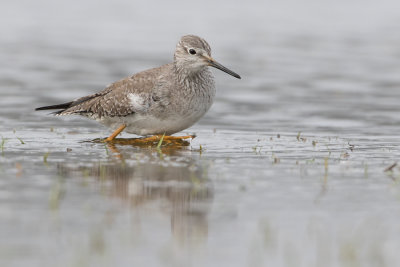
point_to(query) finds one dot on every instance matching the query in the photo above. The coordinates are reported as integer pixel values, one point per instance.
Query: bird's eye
(192, 51)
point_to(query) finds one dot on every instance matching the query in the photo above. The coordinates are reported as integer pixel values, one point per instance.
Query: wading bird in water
(159, 101)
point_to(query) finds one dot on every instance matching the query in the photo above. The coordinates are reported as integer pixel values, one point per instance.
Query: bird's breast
(195, 97)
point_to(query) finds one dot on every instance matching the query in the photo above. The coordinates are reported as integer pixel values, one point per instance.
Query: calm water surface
(288, 168)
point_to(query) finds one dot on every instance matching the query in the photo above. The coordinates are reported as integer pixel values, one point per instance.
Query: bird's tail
(63, 106)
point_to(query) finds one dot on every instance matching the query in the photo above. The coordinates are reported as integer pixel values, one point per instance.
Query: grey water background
(288, 168)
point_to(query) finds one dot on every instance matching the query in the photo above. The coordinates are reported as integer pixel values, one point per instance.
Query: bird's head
(193, 54)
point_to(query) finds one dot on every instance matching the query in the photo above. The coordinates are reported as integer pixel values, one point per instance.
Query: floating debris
(351, 147)
(298, 136)
(345, 155)
(314, 143)
(3, 142)
(45, 156)
(303, 139)
(390, 168)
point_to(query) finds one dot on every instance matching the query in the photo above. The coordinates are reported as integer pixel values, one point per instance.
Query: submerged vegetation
(3, 142)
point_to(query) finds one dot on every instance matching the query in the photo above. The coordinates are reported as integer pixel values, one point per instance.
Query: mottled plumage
(166, 99)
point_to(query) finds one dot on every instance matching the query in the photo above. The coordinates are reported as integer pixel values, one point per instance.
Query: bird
(159, 101)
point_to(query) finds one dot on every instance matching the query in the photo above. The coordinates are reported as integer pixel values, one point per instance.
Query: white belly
(150, 125)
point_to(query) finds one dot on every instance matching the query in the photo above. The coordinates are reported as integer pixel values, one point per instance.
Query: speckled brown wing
(110, 102)
(115, 100)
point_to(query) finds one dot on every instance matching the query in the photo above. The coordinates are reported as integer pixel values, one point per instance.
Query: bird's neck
(188, 76)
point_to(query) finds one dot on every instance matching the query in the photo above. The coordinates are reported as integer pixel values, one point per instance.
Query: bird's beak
(211, 62)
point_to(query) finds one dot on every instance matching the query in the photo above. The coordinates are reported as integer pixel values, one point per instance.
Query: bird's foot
(166, 138)
(151, 140)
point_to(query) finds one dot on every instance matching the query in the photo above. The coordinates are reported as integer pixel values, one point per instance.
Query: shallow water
(287, 169)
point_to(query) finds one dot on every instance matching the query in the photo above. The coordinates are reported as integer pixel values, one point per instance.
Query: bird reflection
(178, 186)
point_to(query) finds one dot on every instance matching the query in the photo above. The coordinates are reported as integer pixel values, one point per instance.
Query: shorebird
(158, 101)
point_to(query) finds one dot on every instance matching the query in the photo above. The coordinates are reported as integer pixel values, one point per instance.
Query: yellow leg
(114, 134)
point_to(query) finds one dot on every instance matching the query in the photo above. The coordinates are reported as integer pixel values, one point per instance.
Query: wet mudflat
(294, 165)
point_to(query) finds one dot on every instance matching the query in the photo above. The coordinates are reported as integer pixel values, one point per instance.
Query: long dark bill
(215, 64)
